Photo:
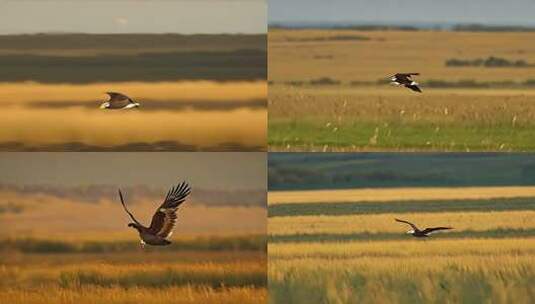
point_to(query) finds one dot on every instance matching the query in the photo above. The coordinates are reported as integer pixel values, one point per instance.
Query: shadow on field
(218, 66)
(158, 105)
(383, 236)
(160, 146)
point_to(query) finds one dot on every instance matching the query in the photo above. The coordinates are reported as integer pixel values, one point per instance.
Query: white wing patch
(169, 235)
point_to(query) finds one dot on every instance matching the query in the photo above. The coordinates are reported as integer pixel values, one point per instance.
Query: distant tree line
(490, 62)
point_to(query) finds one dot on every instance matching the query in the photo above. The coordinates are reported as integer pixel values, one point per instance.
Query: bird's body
(163, 220)
(153, 240)
(118, 101)
(422, 233)
(405, 80)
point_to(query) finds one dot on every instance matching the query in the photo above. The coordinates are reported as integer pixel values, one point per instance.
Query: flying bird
(405, 80)
(163, 220)
(422, 233)
(118, 101)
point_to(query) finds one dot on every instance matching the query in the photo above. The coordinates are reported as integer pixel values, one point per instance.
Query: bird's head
(105, 105)
(410, 231)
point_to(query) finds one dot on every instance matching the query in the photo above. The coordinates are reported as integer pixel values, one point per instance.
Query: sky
(133, 16)
(499, 12)
(206, 170)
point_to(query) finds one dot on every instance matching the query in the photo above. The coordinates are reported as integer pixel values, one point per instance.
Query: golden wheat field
(329, 91)
(183, 115)
(223, 276)
(354, 252)
(386, 194)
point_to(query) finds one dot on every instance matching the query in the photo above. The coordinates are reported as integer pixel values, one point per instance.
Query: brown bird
(422, 233)
(405, 80)
(163, 220)
(119, 101)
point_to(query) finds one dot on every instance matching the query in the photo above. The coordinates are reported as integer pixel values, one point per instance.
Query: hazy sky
(386, 11)
(208, 170)
(133, 16)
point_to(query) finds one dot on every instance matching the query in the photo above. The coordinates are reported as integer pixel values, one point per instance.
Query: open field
(399, 272)
(184, 276)
(330, 94)
(195, 92)
(332, 253)
(173, 116)
(394, 194)
(57, 248)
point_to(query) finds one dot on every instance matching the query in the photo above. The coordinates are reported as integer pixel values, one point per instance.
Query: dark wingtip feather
(177, 195)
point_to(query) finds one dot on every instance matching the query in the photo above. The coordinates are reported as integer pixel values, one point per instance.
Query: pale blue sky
(133, 16)
(510, 12)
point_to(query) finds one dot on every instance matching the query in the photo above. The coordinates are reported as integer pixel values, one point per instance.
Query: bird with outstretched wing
(163, 220)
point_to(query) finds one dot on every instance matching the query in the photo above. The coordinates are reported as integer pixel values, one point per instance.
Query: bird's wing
(126, 209)
(414, 87)
(409, 223)
(435, 229)
(114, 96)
(164, 218)
(405, 76)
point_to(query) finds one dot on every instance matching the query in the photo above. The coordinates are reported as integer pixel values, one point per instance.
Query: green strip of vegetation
(39, 246)
(210, 65)
(385, 236)
(313, 135)
(300, 209)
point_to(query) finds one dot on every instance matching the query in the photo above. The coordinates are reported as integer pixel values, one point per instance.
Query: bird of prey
(163, 220)
(422, 233)
(118, 101)
(405, 80)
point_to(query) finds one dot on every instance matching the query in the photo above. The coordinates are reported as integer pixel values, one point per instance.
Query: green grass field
(342, 118)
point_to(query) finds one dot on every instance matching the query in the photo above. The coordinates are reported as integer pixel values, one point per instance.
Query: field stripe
(384, 236)
(396, 194)
(372, 223)
(328, 208)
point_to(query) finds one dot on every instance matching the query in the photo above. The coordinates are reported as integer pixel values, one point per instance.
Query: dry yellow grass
(198, 128)
(116, 295)
(332, 259)
(394, 51)
(155, 277)
(367, 117)
(412, 271)
(406, 248)
(374, 223)
(397, 194)
(22, 122)
(93, 93)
